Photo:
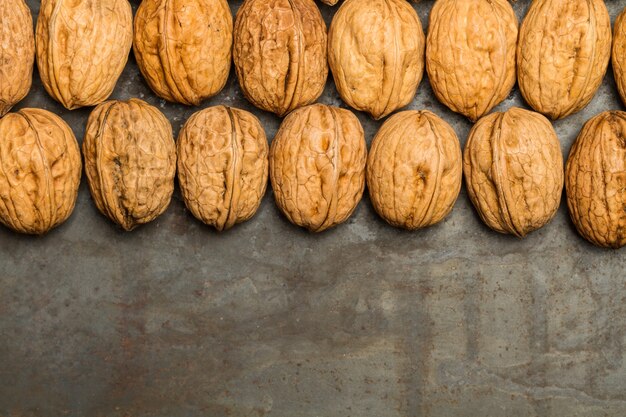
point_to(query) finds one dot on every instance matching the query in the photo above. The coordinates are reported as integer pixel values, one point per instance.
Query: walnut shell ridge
(595, 180)
(470, 54)
(414, 169)
(619, 54)
(222, 165)
(514, 171)
(18, 53)
(376, 54)
(183, 47)
(317, 166)
(280, 53)
(82, 47)
(130, 161)
(562, 54)
(40, 173)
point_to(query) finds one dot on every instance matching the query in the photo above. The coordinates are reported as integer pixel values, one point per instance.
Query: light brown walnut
(514, 171)
(414, 170)
(130, 161)
(619, 54)
(470, 54)
(596, 180)
(376, 54)
(183, 47)
(82, 48)
(222, 165)
(317, 166)
(17, 54)
(562, 54)
(40, 171)
(280, 53)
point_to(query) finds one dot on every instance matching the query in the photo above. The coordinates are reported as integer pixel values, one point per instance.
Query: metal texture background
(176, 320)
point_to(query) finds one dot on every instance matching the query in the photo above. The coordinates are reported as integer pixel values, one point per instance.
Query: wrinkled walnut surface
(514, 171)
(414, 169)
(376, 54)
(40, 171)
(222, 165)
(317, 166)
(82, 48)
(562, 54)
(17, 54)
(130, 161)
(596, 180)
(183, 47)
(619, 54)
(470, 54)
(280, 53)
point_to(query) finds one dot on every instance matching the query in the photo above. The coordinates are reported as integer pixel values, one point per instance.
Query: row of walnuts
(318, 162)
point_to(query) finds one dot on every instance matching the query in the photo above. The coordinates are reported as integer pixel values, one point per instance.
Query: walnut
(40, 173)
(280, 53)
(183, 48)
(376, 54)
(222, 165)
(317, 166)
(130, 161)
(414, 170)
(330, 2)
(514, 171)
(595, 180)
(619, 54)
(82, 48)
(470, 54)
(18, 53)
(562, 54)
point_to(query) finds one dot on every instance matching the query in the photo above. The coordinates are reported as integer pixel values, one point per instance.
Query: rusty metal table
(177, 320)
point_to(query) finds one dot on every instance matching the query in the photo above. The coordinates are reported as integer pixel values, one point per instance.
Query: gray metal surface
(176, 320)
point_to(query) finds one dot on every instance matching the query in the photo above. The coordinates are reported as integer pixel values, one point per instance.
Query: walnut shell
(82, 48)
(562, 54)
(470, 54)
(317, 166)
(414, 170)
(17, 54)
(130, 161)
(619, 54)
(330, 2)
(183, 47)
(376, 54)
(514, 171)
(222, 165)
(595, 180)
(40, 173)
(280, 53)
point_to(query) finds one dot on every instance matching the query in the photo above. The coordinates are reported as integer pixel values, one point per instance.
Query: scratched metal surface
(175, 320)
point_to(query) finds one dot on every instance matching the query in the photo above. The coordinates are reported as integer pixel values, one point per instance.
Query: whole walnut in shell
(82, 48)
(595, 180)
(280, 53)
(317, 166)
(376, 54)
(130, 161)
(222, 165)
(414, 169)
(562, 54)
(514, 171)
(183, 47)
(470, 54)
(17, 54)
(40, 172)
(619, 54)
